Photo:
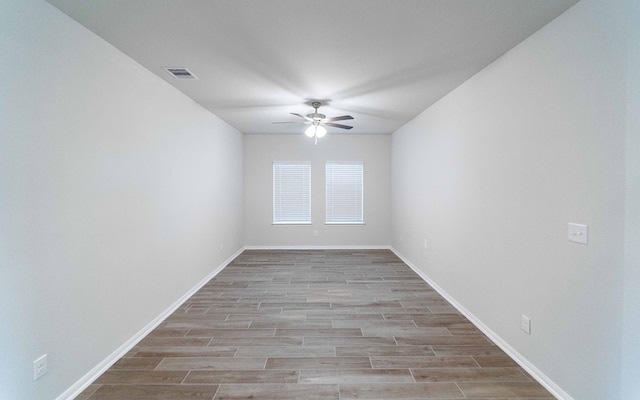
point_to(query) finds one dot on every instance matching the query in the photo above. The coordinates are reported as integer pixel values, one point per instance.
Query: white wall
(491, 175)
(260, 151)
(631, 341)
(115, 193)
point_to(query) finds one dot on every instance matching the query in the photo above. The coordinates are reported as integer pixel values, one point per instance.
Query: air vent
(180, 73)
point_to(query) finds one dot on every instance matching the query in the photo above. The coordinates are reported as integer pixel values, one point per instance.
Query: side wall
(631, 341)
(260, 151)
(491, 175)
(116, 192)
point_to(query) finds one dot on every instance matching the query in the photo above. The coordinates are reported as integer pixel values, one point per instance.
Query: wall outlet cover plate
(39, 367)
(526, 324)
(578, 233)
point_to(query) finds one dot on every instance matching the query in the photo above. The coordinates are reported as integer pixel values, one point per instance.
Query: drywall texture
(116, 192)
(260, 151)
(492, 174)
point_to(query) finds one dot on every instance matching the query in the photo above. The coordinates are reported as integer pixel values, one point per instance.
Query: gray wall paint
(631, 341)
(260, 151)
(115, 193)
(111, 181)
(491, 175)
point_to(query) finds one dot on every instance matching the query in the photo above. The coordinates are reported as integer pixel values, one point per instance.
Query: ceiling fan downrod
(316, 117)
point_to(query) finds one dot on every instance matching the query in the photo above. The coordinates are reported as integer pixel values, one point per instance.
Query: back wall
(260, 151)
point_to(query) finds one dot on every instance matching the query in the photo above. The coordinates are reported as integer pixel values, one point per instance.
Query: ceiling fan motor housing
(315, 115)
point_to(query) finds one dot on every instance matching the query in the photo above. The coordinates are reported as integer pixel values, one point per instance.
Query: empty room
(342, 199)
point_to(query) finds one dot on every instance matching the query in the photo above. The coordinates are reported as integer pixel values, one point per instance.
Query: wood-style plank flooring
(316, 324)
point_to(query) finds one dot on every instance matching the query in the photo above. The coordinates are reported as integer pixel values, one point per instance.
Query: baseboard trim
(99, 369)
(327, 247)
(538, 375)
(105, 364)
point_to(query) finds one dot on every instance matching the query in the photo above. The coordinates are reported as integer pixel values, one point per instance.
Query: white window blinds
(344, 193)
(291, 193)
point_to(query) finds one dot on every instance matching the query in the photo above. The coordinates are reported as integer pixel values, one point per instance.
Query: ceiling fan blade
(337, 125)
(293, 122)
(340, 118)
(301, 116)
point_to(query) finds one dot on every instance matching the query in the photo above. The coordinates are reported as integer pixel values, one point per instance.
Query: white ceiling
(381, 61)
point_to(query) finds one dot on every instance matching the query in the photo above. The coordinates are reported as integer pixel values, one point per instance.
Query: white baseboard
(544, 380)
(327, 247)
(99, 369)
(105, 364)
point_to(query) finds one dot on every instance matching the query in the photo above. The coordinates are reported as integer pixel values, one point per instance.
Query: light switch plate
(578, 233)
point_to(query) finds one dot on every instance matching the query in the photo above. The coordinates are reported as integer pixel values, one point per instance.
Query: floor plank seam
(316, 325)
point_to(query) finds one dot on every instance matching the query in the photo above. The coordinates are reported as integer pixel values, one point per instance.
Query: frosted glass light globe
(320, 131)
(310, 131)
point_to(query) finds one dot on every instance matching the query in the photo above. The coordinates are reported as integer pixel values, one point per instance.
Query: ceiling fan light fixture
(316, 121)
(320, 131)
(310, 131)
(316, 130)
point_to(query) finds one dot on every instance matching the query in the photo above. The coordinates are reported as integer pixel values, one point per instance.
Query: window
(291, 193)
(344, 193)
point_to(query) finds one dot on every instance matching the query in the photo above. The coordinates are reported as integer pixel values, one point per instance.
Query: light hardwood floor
(317, 324)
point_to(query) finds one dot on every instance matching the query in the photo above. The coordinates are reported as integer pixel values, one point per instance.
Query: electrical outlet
(525, 324)
(425, 243)
(221, 246)
(39, 367)
(578, 233)
(315, 233)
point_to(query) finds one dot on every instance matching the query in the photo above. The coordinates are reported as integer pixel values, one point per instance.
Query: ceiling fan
(318, 121)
